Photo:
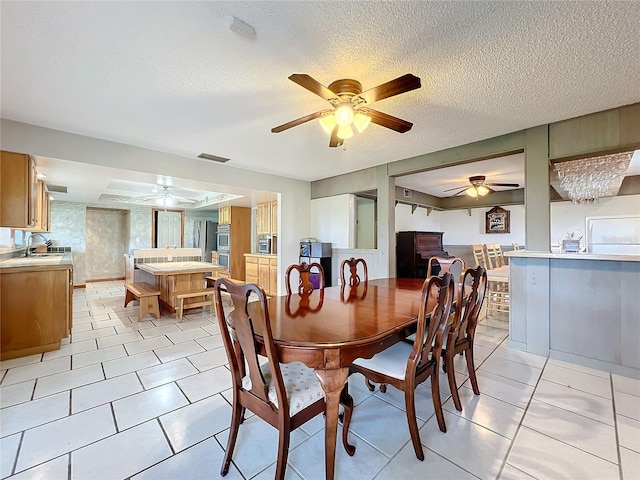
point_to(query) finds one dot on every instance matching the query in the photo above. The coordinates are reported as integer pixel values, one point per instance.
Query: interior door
(169, 228)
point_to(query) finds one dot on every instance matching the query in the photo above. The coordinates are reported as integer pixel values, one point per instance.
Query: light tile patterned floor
(150, 400)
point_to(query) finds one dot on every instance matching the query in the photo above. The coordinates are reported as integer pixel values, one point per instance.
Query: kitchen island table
(174, 278)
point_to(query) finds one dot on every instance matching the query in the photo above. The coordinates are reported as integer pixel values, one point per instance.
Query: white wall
(461, 229)
(333, 220)
(418, 220)
(567, 217)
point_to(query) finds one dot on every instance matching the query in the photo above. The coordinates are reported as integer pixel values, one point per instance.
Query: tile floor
(150, 400)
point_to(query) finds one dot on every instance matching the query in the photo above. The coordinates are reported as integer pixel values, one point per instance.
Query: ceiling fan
(350, 106)
(478, 187)
(166, 199)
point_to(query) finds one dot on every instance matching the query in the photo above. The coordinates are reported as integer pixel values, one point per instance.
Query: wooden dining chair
(405, 365)
(479, 255)
(305, 274)
(354, 277)
(286, 395)
(440, 265)
(462, 332)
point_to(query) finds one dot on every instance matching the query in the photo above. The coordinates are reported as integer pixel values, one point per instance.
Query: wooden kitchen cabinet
(267, 218)
(263, 271)
(263, 219)
(18, 191)
(35, 309)
(43, 217)
(224, 215)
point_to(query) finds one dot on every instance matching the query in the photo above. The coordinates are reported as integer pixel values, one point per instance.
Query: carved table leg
(332, 382)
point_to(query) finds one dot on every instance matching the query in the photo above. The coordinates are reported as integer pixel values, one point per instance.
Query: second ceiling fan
(350, 106)
(479, 188)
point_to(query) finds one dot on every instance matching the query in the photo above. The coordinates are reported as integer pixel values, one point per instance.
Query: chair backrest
(305, 274)
(468, 311)
(238, 335)
(494, 256)
(431, 327)
(516, 246)
(440, 265)
(478, 255)
(354, 277)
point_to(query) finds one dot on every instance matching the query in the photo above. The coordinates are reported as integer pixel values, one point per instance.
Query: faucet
(30, 242)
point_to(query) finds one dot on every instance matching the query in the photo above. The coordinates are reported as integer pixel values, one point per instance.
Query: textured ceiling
(172, 76)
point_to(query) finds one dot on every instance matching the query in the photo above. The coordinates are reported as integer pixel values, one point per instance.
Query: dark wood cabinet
(413, 250)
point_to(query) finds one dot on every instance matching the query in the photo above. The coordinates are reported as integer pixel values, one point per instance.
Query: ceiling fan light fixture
(328, 122)
(344, 116)
(476, 191)
(361, 121)
(345, 132)
(482, 190)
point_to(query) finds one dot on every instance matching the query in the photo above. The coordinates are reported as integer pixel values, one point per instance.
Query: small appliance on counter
(264, 246)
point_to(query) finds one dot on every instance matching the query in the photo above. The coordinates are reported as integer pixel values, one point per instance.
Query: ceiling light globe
(344, 116)
(361, 121)
(345, 132)
(472, 192)
(482, 190)
(328, 122)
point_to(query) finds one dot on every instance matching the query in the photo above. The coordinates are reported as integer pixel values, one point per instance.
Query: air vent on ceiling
(56, 188)
(406, 193)
(208, 156)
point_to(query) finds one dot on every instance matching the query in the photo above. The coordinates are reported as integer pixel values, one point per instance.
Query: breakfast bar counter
(173, 278)
(577, 307)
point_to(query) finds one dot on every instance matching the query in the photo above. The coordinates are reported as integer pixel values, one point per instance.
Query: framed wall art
(497, 220)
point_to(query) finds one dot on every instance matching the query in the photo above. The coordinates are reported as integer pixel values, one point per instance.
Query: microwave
(264, 246)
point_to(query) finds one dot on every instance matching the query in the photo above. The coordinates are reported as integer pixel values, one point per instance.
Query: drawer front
(273, 262)
(251, 260)
(263, 261)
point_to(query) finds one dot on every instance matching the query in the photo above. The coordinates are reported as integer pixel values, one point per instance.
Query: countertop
(172, 268)
(38, 262)
(573, 256)
(269, 255)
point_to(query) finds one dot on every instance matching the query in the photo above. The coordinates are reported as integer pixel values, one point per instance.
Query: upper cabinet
(267, 218)
(18, 191)
(224, 215)
(24, 200)
(43, 217)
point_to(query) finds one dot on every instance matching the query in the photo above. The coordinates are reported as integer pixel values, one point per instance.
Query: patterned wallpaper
(68, 224)
(107, 238)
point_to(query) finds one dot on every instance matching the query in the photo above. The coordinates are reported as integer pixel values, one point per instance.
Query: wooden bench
(207, 293)
(212, 280)
(144, 293)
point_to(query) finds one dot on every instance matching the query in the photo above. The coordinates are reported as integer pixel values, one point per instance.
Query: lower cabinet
(263, 271)
(35, 312)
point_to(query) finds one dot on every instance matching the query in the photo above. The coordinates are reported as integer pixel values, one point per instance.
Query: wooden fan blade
(502, 184)
(400, 85)
(460, 190)
(456, 188)
(335, 140)
(388, 121)
(312, 85)
(298, 121)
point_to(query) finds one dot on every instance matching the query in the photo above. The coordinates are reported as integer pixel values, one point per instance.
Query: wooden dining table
(328, 329)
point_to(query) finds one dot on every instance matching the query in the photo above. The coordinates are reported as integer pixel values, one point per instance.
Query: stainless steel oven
(223, 237)
(223, 259)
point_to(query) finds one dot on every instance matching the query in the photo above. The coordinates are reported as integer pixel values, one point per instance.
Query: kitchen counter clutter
(36, 296)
